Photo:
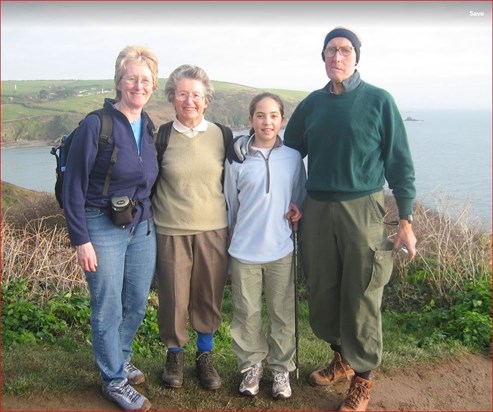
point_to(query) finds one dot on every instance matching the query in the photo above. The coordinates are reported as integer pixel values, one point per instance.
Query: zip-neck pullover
(258, 193)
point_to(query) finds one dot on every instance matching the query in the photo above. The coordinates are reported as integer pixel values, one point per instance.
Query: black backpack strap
(150, 125)
(162, 140)
(227, 139)
(106, 137)
(227, 135)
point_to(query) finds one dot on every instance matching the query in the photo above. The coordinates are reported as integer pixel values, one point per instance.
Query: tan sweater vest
(189, 198)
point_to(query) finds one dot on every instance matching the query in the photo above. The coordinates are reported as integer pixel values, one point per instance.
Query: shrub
(452, 251)
(25, 322)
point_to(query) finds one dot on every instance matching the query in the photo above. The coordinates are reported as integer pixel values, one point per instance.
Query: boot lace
(252, 375)
(174, 362)
(338, 365)
(356, 393)
(205, 362)
(129, 393)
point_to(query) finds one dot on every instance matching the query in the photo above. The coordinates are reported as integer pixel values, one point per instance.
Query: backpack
(162, 138)
(105, 137)
(62, 150)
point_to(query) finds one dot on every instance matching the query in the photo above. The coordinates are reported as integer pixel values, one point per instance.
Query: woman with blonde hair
(118, 257)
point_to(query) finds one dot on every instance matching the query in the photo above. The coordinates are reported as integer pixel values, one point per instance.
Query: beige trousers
(252, 340)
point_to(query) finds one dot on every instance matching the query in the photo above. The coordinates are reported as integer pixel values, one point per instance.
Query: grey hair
(187, 71)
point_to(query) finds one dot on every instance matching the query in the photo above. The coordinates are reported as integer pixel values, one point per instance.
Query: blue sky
(427, 54)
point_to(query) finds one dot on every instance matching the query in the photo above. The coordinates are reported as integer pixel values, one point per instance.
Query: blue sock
(205, 342)
(175, 350)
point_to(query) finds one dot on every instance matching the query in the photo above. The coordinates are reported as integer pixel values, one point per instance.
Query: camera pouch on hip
(122, 210)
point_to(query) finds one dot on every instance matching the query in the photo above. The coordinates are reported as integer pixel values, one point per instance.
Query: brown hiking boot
(208, 376)
(173, 370)
(357, 396)
(337, 369)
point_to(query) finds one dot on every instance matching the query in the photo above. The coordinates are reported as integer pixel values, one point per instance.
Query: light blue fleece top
(258, 193)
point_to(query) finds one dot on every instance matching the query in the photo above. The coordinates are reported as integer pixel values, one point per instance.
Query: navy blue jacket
(133, 175)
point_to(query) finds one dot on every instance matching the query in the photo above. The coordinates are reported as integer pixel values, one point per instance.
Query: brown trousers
(191, 275)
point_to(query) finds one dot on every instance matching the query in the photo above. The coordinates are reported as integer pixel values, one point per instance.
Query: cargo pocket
(383, 263)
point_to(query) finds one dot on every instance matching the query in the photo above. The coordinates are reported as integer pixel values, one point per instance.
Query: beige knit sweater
(188, 197)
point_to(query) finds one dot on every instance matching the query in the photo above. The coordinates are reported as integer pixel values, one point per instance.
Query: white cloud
(430, 54)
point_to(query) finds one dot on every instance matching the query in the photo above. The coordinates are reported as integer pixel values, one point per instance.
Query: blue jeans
(119, 289)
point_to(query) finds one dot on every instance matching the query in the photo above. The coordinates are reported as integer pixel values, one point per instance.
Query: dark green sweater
(354, 142)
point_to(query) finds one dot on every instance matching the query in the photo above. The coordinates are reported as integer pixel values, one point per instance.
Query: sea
(452, 153)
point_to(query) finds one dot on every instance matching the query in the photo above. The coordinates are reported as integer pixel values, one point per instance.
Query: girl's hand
(294, 214)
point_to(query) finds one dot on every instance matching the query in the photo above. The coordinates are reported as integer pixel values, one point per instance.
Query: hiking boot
(249, 386)
(337, 369)
(281, 389)
(357, 396)
(173, 370)
(208, 376)
(134, 375)
(127, 397)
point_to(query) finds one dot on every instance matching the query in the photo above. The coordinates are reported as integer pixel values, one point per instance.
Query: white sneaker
(134, 375)
(251, 379)
(281, 389)
(127, 397)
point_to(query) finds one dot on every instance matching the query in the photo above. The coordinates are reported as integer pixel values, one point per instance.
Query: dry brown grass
(35, 247)
(453, 247)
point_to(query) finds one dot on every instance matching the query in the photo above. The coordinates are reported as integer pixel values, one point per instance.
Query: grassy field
(38, 109)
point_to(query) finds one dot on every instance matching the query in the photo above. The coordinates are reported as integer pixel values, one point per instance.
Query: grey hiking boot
(173, 370)
(208, 376)
(134, 375)
(127, 397)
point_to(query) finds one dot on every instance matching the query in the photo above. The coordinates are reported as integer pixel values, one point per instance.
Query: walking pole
(295, 260)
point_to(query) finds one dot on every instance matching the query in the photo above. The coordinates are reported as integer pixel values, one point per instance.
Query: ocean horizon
(451, 152)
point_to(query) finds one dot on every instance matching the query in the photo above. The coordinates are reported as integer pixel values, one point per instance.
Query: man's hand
(405, 236)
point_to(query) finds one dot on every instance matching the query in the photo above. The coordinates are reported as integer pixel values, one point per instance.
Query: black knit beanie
(342, 32)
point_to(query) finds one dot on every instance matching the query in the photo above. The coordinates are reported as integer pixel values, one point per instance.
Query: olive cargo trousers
(347, 260)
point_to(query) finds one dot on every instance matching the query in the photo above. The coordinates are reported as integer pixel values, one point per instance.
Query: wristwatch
(409, 218)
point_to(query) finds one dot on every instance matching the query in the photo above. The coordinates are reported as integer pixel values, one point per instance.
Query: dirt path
(463, 384)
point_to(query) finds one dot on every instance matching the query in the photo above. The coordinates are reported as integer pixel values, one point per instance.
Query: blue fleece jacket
(133, 175)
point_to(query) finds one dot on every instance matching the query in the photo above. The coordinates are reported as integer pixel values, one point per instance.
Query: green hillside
(47, 109)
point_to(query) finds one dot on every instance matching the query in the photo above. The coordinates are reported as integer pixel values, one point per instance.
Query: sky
(428, 55)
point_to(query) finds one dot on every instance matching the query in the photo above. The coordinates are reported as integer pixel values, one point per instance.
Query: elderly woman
(118, 257)
(191, 225)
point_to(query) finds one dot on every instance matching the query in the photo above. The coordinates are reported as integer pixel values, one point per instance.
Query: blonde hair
(135, 54)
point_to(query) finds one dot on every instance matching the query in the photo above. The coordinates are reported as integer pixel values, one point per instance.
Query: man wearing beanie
(355, 140)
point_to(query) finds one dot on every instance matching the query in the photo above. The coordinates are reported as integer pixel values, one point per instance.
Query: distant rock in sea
(412, 119)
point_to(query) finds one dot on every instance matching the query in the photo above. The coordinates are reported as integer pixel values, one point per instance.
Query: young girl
(262, 193)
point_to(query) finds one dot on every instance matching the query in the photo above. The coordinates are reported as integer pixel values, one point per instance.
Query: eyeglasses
(344, 50)
(196, 97)
(134, 80)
